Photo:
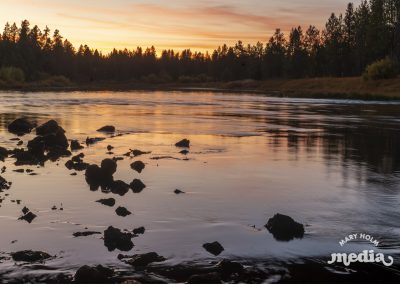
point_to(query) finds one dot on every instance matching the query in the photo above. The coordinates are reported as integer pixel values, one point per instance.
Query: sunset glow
(199, 25)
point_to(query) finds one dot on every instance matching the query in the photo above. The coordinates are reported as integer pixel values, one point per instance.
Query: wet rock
(20, 143)
(73, 174)
(75, 145)
(284, 228)
(4, 184)
(21, 126)
(19, 170)
(141, 260)
(77, 163)
(3, 153)
(108, 167)
(178, 191)
(184, 152)
(214, 248)
(118, 187)
(28, 157)
(50, 127)
(93, 274)
(3, 169)
(109, 147)
(137, 185)
(185, 143)
(137, 152)
(85, 234)
(227, 267)
(107, 128)
(30, 256)
(28, 217)
(122, 211)
(138, 166)
(115, 239)
(25, 210)
(212, 278)
(54, 208)
(107, 201)
(90, 141)
(139, 231)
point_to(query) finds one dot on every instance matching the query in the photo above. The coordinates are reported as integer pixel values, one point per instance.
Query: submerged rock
(115, 239)
(138, 166)
(122, 211)
(85, 234)
(108, 201)
(184, 152)
(184, 143)
(90, 141)
(139, 231)
(284, 228)
(75, 145)
(140, 260)
(137, 152)
(214, 248)
(21, 126)
(137, 186)
(93, 274)
(107, 128)
(30, 256)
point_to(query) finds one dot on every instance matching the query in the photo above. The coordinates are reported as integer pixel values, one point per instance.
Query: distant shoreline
(327, 88)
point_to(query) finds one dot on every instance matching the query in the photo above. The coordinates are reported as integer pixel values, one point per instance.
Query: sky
(201, 25)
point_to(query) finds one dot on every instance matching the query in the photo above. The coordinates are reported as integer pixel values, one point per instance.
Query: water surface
(333, 165)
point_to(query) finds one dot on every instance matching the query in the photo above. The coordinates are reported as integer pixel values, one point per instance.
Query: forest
(345, 47)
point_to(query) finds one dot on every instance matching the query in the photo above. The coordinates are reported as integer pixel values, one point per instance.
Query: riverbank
(343, 88)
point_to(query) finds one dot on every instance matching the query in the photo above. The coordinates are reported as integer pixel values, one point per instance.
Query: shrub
(12, 75)
(381, 69)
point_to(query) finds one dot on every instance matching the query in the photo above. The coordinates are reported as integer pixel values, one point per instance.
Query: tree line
(347, 44)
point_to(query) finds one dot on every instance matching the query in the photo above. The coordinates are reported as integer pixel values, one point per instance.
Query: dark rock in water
(139, 231)
(93, 175)
(138, 166)
(210, 278)
(3, 153)
(122, 211)
(76, 163)
(107, 128)
(85, 233)
(73, 174)
(227, 267)
(19, 170)
(50, 127)
(118, 187)
(115, 239)
(28, 157)
(90, 141)
(214, 248)
(75, 145)
(185, 143)
(109, 147)
(284, 228)
(20, 143)
(25, 210)
(140, 260)
(4, 185)
(137, 152)
(137, 185)
(108, 201)
(21, 126)
(108, 167)
(56, 153)
(184, 152)
(29, 256)
(28, 217)
(96, 274)
(178, 191)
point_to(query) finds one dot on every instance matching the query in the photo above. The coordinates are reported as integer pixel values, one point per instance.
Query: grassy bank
(347, 88)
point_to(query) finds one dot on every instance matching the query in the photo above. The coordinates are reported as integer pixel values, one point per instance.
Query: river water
(333, 165)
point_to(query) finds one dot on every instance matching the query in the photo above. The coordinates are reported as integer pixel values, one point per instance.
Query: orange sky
(200, 25)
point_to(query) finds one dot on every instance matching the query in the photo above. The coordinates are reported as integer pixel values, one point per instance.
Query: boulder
(75, 145)
(137, 185)
(284, 228)
(118, 187)
(93, 274)
(108, 202)
(21, 126)
(108, 167)
(138, 166)
(115, 239)
(184, 143)
(122, 211)
(214, 248)
(30, 256)
(107, 128)
(50, 127)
